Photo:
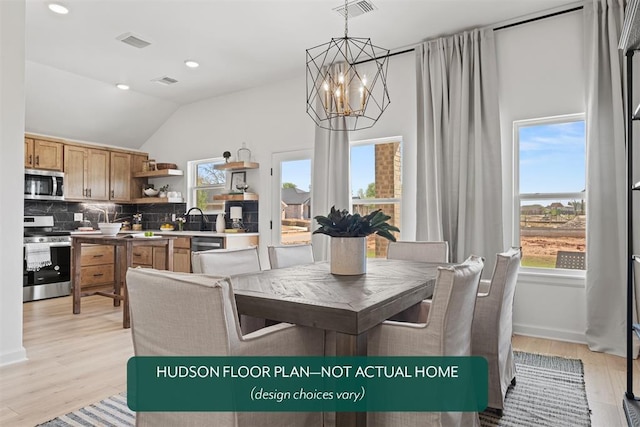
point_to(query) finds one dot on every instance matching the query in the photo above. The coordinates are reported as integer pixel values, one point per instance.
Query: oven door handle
(59, 244)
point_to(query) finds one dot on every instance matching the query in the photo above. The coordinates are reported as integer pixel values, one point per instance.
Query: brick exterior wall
(388, 185)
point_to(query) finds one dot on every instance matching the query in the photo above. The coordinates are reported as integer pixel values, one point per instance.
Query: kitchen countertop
(172, 233)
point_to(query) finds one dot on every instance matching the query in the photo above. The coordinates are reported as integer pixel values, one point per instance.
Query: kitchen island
(124, 250)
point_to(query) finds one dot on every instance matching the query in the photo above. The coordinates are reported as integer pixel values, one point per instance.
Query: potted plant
(349, 237)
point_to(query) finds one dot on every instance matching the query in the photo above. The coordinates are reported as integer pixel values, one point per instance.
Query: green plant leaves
(340, 223)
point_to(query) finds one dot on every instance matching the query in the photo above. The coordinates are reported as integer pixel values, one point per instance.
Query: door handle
(30, 159)
(38, 160)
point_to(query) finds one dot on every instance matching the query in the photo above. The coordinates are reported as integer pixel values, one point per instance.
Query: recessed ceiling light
(122, 86)
(191, 63)
(58, 8)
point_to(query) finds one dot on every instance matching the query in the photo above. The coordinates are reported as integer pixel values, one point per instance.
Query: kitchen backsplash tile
(153, 215)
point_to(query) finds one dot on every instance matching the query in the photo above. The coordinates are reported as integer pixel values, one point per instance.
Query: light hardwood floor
(77, 360)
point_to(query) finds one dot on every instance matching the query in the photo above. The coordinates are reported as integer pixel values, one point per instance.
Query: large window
(204, 181)
(550, 209)
(376, 183)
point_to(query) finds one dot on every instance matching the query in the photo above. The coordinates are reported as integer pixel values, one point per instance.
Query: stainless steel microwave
(43, 185)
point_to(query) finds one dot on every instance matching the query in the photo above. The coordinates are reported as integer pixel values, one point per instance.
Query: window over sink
(203, 182)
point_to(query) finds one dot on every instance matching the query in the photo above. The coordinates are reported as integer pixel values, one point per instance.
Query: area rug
(549, 392)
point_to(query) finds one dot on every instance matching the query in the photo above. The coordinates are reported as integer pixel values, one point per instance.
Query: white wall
(540, 68)
(540, 72)
(273, 119)
(12, 22)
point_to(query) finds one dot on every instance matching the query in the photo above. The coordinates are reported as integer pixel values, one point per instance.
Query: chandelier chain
(346, 19)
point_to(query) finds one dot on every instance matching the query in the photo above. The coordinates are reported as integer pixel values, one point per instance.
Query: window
(550, 186)
(204, 181)
(376, 183)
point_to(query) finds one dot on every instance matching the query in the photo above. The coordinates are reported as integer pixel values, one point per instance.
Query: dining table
(310, 295)
(124, 245)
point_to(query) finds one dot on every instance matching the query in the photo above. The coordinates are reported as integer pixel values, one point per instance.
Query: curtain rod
(503, 27)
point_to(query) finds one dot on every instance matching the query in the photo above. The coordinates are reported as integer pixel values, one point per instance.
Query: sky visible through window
(362, 169)
(552, 158)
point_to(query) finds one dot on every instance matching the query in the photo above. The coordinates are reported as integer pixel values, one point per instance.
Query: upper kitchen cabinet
(86, 173)
(43, 154)
(120, 177)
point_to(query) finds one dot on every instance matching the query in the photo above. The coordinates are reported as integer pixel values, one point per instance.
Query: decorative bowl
(167, 227)
(151, 192)
(109, 228)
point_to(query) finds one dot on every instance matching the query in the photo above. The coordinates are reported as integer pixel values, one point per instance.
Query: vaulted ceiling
(75, 60)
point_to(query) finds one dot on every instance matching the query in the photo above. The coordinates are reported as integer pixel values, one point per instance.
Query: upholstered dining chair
(289, 255)
(416, 251)
(419, 251)
(493, 325)
(181, 314)
(226, 262)
(229, 262)
(443, 329)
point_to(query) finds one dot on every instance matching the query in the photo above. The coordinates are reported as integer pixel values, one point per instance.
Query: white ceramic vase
(348, 256)
(220, 223)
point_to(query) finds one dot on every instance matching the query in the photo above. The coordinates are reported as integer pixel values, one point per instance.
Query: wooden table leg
(117, 274)
(126, 315)
(351, 345)
(76, 248)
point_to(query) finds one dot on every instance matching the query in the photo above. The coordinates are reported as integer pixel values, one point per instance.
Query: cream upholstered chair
(419, 251)
(229, 262)
(416, 251)
(181, 314)
(444, 329)
(226, 262)
(289, 255)
(493, 325)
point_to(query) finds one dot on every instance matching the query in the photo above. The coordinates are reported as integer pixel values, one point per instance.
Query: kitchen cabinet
(43, 154)
(155, 257)
(97, 267)
(182, 255)
(86, 173)
(149, 257)
(120, 177)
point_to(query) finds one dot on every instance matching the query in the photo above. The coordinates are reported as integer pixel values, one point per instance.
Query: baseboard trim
(19, 355)
(549, 333)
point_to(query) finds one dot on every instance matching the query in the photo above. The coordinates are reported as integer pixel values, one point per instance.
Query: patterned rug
(549, 392)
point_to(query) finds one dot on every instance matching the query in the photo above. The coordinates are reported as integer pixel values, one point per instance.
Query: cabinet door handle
(98, 256)
(30, 159)
(137, 254)
(113, 194)
(98, 274)
(89, 190)
(37, 160)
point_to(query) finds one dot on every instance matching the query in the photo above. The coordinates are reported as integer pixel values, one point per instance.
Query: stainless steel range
(47, 259)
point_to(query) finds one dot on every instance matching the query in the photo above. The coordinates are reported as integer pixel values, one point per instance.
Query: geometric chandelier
(346, 78)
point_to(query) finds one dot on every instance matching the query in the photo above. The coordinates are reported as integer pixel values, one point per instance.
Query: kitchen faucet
(203, 219)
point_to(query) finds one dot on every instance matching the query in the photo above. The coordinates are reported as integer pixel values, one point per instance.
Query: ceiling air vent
(133, 40)
(356, 8)
(165, 80)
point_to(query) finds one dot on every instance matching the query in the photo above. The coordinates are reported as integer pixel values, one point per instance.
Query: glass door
(291, 221)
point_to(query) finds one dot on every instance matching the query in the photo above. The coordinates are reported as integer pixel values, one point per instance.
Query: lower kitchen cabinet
(154, 257)
(182, 255)
(97, 268)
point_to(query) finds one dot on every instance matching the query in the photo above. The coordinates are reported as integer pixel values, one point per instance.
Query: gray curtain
(330, 181)
(606, 185)
(459, 182)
